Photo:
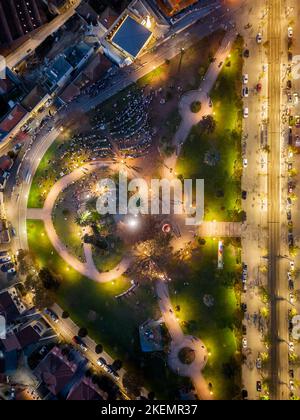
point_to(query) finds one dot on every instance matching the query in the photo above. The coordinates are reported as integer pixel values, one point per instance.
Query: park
(99, 258)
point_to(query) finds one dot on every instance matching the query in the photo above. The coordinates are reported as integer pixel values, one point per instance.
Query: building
(11, 307)
(58, 6)
(57, 73)
(19, 18)
(78, 55)
(13, 120)
(55, 372)
(127, 39)
(172, 7)
(85, 390)
(131, 37)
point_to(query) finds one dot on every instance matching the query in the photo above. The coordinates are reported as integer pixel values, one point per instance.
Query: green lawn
(68, 231)
(223, 179)
(117, 322)
(45, 176)
(216, 325)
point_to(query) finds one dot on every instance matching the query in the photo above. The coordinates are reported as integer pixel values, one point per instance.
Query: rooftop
(131, 36)
(11, 120)
(76, 53)
(57, 70)
(55, 371)
(8, 308)
(85, 390)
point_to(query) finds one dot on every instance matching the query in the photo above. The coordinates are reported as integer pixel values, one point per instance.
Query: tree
(99, 349)
(117, 365)
(49, 280)
(83, 332)
(132, 383)
(208, 124)
(196, 107)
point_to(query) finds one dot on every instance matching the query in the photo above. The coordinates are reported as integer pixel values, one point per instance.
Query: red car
(259, 87)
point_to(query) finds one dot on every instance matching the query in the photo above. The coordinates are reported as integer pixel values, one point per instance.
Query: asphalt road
(38, 37)
(277, 277)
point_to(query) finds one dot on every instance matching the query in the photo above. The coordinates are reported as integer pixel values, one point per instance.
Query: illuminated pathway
(189, 119)
(87, 269)
(180, 341)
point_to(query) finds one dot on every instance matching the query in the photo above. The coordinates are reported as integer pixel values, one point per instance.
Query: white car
(292, 265)
(296, 98)
(259, 38)
(245, 79)
(290, 32)
(291, 347)
(245, 163)
(245, 343)
(292, 298)
(292, 385)
(246, 112)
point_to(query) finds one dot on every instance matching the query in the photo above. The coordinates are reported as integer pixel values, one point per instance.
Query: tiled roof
(8, 308)
(84, 391)
(55, 371)
(12, 119)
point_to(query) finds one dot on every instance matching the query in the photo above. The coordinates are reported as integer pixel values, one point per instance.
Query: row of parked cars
(6, 264)
(78, 341)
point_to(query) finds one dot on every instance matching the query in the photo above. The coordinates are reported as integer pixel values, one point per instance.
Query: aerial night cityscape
(149, 193)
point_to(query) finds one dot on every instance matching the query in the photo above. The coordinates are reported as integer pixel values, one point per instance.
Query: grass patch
(116, 324)
(223, 177)
(215, 325)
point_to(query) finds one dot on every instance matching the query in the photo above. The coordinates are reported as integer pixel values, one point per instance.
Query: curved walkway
(180, 341)
(87, 269)
(189, 119)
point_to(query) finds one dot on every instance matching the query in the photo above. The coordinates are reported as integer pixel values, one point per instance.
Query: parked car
(290, 136)
(52, 315)
(290, 32)
(246, 112)
(291, 286)
(244, 195)
(258, 386)
(244, 307)
(245, 79)
(77, 340)
(289, 84)
(291, 347)
(5, 260)
(245, 92)
(259, 38)
(246, 53)
(245, 343)
(258, 363)
(6, 267)
(244, 394)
